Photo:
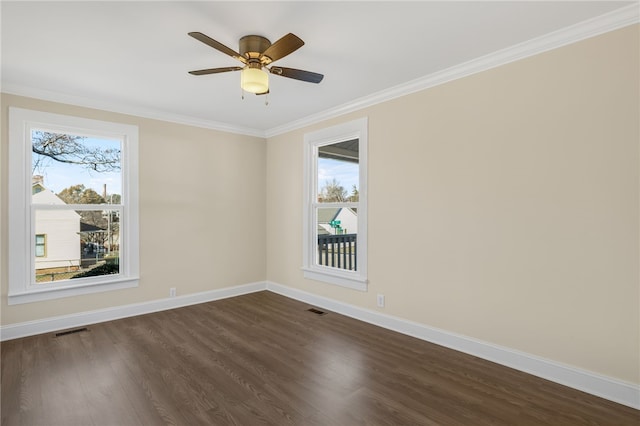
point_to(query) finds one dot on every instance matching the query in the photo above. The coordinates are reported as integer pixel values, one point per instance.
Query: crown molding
(53, 96)
(611, 21)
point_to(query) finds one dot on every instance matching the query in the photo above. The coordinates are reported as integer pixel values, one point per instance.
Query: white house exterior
(57, 233)
(347, 217)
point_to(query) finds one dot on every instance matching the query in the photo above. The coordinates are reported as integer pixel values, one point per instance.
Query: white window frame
(356, 129)
(22, 212)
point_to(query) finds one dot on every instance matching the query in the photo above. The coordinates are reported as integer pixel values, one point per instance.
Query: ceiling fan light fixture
(254, 80)
(257, 54)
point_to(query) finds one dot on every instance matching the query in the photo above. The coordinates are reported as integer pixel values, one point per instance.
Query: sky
(344, 172)
(58, 176)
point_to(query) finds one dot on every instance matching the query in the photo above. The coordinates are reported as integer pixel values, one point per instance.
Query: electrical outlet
(381, 301)
(172, 292)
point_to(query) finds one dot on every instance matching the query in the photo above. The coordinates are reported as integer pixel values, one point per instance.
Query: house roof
(87, 228)
(344, 151)
(326, 215)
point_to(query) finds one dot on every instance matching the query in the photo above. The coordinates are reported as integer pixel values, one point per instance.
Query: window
(41, 245)
(335, 210)
(73, 206)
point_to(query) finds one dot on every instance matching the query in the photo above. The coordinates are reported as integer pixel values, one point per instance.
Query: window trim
(21, 229)
(356, 280)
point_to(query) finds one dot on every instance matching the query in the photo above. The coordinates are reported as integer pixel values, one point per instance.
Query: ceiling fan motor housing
(252, 46)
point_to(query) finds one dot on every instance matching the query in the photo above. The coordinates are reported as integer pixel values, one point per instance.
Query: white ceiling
(133, 57)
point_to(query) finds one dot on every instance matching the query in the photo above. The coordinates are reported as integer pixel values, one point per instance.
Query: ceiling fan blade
(214, 70)
(218, 46)
(308, 76)
(281, 48)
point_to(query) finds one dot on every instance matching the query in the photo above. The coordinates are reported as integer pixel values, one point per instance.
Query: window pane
(337, 237)
(78, 169)
(79, 244)
(338, 172)
(40, 246)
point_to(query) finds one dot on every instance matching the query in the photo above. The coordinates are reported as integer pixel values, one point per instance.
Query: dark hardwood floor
(264, 359)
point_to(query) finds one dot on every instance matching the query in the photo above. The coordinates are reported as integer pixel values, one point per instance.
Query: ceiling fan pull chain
(266, 99)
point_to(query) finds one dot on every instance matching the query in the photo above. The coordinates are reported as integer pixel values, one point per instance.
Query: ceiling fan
(257, 54)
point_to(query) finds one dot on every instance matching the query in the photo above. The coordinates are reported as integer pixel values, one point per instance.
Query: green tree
(355, 194)
(79, 194)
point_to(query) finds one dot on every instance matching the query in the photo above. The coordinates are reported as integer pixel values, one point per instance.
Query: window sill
(348, 280)
(50, 293)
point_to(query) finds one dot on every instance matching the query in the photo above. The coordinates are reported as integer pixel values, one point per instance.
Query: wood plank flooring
(263, 359)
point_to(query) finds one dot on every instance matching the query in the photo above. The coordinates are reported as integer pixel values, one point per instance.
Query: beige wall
(503, 206)
(202, 207)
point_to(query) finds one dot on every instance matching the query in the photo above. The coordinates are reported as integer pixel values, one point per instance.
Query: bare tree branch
(70, 149)
(332, 191)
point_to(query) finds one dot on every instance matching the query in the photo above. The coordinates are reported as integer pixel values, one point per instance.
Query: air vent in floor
(317, 311)
(76, 330)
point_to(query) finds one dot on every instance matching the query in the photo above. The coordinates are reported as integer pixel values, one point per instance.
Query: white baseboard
(605, 387)
(47, 325)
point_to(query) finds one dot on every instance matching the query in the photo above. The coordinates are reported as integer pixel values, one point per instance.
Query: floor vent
(317, 311)
(77, 330)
